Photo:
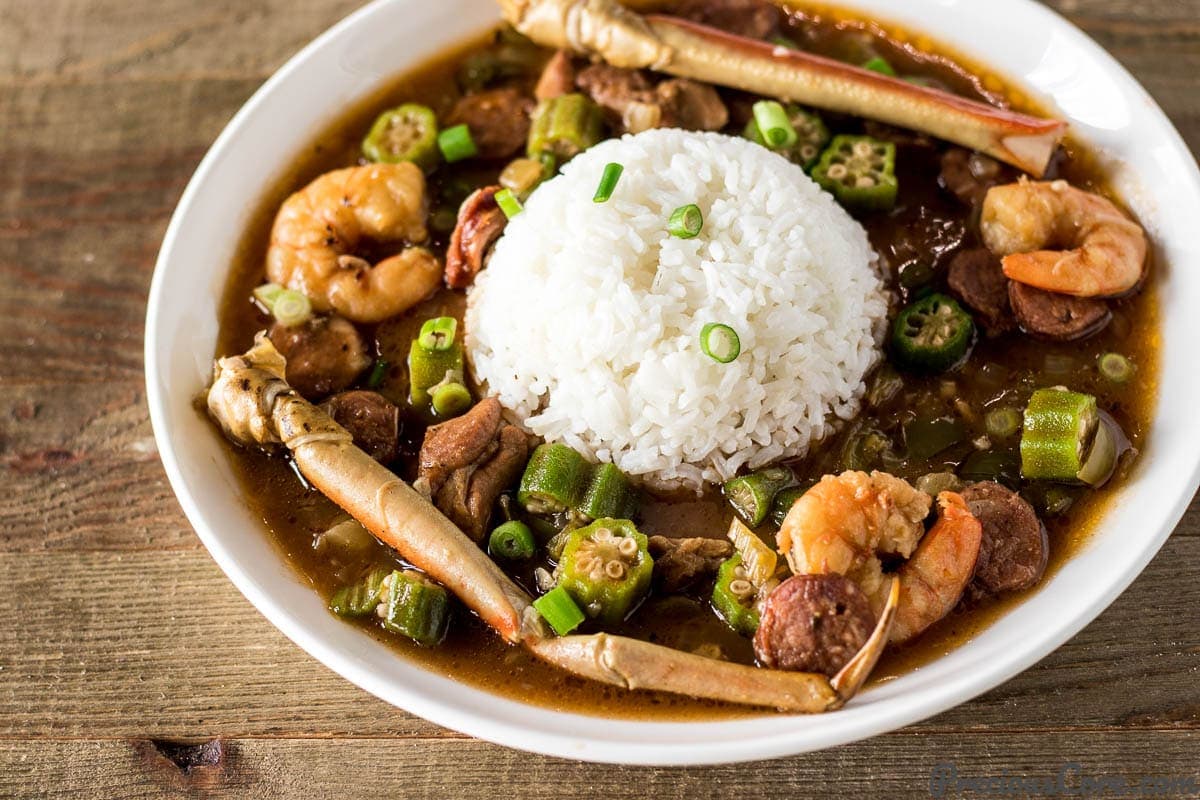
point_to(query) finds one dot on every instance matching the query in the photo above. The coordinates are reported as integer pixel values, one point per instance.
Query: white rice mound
(586, 322)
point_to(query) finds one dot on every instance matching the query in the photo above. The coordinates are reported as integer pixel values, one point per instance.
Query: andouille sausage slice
(1058, 317)
(372, 419)
(498, 119)
(1014, 549)
(324, 355)
(813, 623)
(977, 278)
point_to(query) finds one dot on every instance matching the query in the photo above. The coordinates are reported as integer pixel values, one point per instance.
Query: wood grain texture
(117, 629)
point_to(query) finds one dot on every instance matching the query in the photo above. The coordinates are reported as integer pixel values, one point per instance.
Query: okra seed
(614, 570)
(741, 588)
(628, 547)
(863, 149)
(865, 182)
(837, 171)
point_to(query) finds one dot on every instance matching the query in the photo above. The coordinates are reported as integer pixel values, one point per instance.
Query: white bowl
(1152, 168)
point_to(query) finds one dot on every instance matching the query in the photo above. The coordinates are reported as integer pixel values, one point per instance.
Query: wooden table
(119, 635)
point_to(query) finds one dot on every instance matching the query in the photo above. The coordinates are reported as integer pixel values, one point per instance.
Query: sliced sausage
(372, 419)
(976, 278)
(1014, 549)
(498, 119)
(813, 623)
(480, 223)
(324, 355)
(754, 19)
(1058, 317)
(682, 563)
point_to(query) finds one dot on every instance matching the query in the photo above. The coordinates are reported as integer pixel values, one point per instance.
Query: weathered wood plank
(897, 765)
(110, 649)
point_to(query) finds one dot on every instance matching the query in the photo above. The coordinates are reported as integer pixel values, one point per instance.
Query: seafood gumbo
(732, 355)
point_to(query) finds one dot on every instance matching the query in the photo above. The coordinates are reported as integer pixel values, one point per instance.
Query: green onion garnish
(266, 295)
(720, 342)
(880, 65)
(291, 308)
(512, 540)
(608, 182)
(774, 125)
(508, 203)
(438, 333)
(378, 373)
(557, 608)
(1116, 367)
(686, 222)
(456, 143)
(785, 42)
(450, 399)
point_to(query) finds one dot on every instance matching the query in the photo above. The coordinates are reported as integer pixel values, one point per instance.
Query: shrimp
(845, 523)
(318, 228)
(934, 579)
(1107, 254)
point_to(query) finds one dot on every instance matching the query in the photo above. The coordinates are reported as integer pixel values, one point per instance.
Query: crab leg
(623, 38)
(635, 664)
(255, 407)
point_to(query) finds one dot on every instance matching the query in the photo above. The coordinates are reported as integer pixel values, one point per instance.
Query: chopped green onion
(378, 373)
(456, 143)
(608, 182)
(720, 342)
(558, 608)
(512, 540)
(291, 308)
(784, 42)
(508, 203)
(266, 295)
(773, 124)
(450, 399)
(686, 222)
(438, 333)
(1002, 422)
(1059, 427)
(880, 65)
(1116, 367)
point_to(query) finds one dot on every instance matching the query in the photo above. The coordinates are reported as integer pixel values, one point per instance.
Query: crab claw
(255, 407)
(606, 30)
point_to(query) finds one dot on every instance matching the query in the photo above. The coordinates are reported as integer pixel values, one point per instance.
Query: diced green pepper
(407, 133)
(553, 480)
(734, 597)
(1000, 465)
(924, 438)
(860, 172)
(417, 607)
(360, 598)
(606, 568)
(751, 495)
(865, 448)
(607, 494)
(565, 126)
(1059, 428)
(812, 136)
(931, 335)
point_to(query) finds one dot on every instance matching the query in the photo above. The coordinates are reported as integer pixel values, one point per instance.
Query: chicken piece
(465, 463)
(636, 105)
(498, 119)
(557, 78)
(324, 355)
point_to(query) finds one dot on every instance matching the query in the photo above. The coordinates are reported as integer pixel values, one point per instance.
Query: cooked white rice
(587, 321)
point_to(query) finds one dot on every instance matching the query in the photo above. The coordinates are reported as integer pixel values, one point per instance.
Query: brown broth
(294, 515)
